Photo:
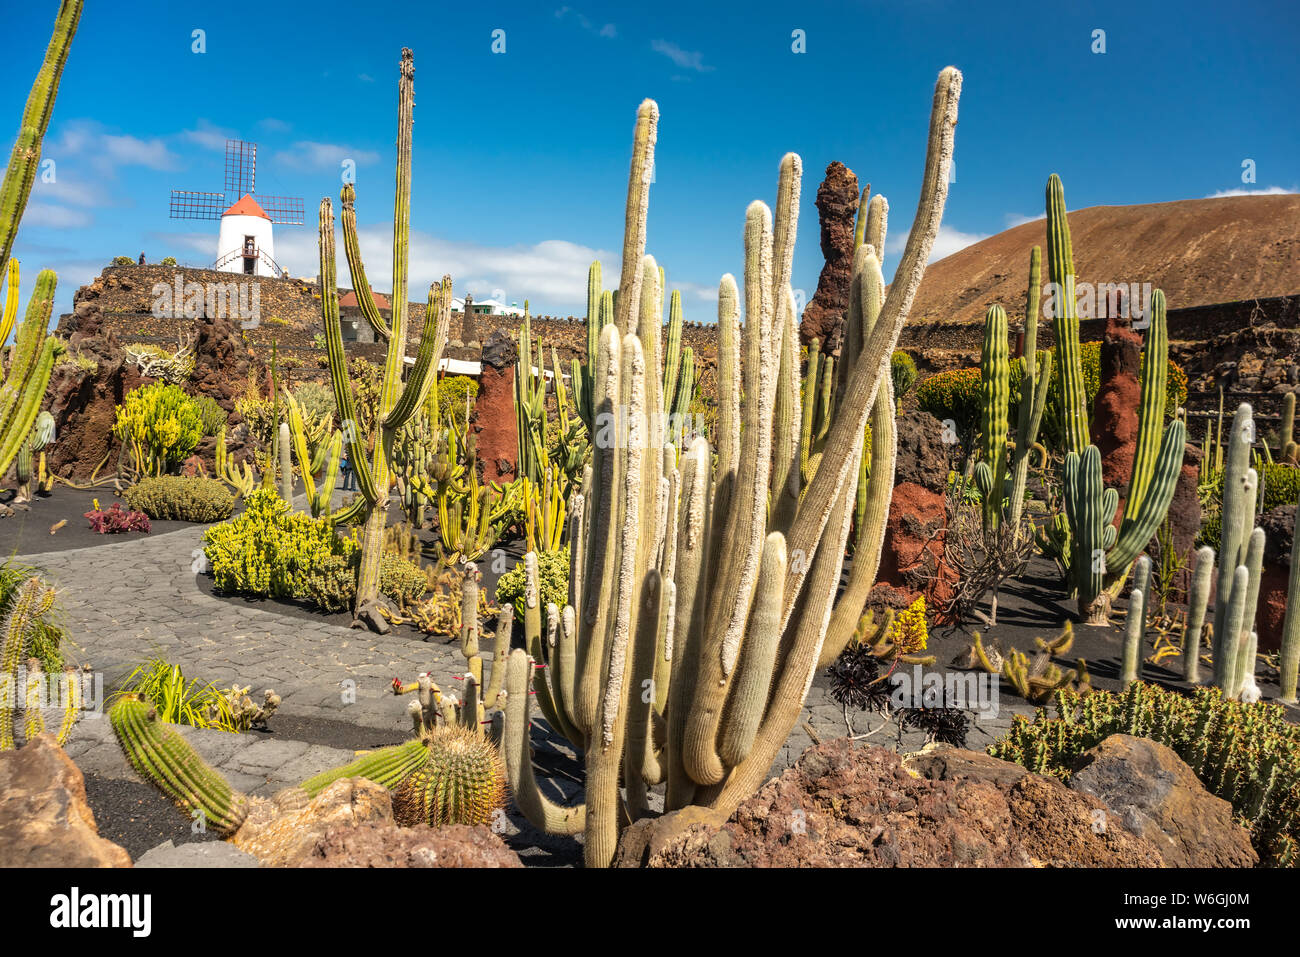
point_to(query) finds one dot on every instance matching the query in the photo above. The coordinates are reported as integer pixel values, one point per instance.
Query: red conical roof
(247, 206)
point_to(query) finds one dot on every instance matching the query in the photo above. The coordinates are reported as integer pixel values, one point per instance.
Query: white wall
(231, 239)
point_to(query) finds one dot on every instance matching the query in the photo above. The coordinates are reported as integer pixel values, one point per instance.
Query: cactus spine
(397, 403)
(165, 759)
(1034, 384)
(717, 631)
(460, 780)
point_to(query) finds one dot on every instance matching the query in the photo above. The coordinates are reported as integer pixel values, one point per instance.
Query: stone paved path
(128, 600)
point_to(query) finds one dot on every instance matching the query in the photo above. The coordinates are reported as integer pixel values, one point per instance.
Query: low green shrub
(1247, 754)
(212, 415)
(268, 550)
(553, 576)
(177, 498)
(161, 424)
(903, 372)
(402, 580)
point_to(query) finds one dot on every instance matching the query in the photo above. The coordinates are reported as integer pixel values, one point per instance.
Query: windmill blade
(285, 210)
(187, 204)
(241, 167)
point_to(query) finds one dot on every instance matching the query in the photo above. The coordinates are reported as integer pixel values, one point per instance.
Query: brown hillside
(1199, 251)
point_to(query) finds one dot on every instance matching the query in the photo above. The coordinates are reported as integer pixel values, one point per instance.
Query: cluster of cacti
(24, 687)
(1097, 557)
(995, 393)
(828, 381)
(162, 757)
(316, 449)
(239, 476)
(471, 516)
(1240, 557)
(31, 362)
(412, 458)
(447, 775)
(1135, 624)
(697, 614)
(1038, 678)
(1247, 754)
(160, 425)
(397, 402)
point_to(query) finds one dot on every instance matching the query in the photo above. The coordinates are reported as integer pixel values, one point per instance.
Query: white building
(244, 243)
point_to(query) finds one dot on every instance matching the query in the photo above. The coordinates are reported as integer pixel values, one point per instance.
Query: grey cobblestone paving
(128, 600)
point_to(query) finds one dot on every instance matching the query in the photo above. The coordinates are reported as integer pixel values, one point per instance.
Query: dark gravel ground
(137, 816)
(27, 531)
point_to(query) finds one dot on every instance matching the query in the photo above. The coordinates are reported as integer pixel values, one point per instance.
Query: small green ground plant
(1247, 754)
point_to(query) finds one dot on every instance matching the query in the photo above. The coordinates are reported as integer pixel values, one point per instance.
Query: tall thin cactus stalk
(679, 574)
(397, 403)
(25, 158)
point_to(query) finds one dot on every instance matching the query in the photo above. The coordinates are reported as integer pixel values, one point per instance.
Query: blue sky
(521, 157)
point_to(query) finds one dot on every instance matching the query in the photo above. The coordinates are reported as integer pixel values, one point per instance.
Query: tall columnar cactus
(327, 458)
(680, 575)
(32, 361)
(33, 600)
(1197, 602)
(1065, 320)
(995, 397)
(1102, 555)
(1136, 624)
(1290, 662)
(41, 435)
(1035, 380)
(25, 158)
(397, 403)
(165, 759)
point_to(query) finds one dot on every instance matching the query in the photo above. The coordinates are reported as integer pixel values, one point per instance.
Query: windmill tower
(245, 243)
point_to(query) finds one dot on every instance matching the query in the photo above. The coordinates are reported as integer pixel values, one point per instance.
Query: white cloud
(686, 59)
(209, 136)
(88, 144)
(608, 30)
(55, 217)
(946, 243)
(552, 273)
(1266, 191)
(273, 125)
(1016, 219)
(308, 154)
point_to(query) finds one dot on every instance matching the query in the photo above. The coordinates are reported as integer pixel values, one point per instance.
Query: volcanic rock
(837, 208)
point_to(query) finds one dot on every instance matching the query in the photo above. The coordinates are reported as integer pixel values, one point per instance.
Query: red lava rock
(375, 844)
(494, 409)
(847, 805)
(1278, 524)
(1115, 411)
(912, 557)
(837, 207)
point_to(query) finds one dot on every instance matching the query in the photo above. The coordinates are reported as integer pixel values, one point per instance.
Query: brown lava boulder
(848, 805)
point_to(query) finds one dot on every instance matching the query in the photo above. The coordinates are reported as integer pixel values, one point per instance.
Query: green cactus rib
(34, 353)
(357, 266)
(461, 781)
(1034, 384)
(387, 767)
(24, 159)
(1060, 271)
(995, 398)
(1138, 527)
(166, 760)
(1155, 371)
(1237, 521)
(33, 600)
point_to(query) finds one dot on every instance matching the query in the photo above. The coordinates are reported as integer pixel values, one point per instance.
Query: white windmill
(245, 242)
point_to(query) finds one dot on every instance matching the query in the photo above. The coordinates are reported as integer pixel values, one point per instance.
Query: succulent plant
(697, 616)
(460, 781)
